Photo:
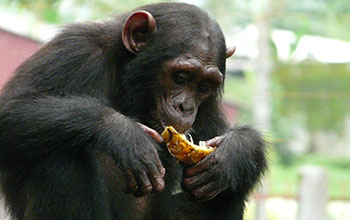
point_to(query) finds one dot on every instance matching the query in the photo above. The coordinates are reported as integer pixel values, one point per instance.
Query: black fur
(68, 128)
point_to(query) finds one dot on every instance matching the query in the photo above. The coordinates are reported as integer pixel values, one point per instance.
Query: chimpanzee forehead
(191, 33)
(179, 16)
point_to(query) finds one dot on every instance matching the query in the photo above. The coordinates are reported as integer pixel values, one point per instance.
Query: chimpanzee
(80, 123)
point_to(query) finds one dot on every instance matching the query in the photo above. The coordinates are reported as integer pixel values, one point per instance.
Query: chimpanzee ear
(230, 51)
(137, 30)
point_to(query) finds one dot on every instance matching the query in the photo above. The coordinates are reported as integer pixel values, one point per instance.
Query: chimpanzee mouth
(163, 124)
(158, 125)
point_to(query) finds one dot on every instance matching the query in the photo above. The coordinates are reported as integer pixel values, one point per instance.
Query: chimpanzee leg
(67, 188)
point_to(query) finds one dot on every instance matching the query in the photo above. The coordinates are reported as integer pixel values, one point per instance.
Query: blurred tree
(45, 9)
(63, 11)
(316, 17)
(319, 92)
(319, 17)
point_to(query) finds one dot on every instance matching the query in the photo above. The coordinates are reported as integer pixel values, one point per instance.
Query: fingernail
(159, 139)
(160, 186)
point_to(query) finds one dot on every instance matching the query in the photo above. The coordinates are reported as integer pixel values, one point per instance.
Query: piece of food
(184, 150)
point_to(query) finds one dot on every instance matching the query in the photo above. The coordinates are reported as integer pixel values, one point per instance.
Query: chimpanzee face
(188, 81)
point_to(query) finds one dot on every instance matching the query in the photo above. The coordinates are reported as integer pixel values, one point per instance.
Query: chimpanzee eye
(205, 87)
(181, 78)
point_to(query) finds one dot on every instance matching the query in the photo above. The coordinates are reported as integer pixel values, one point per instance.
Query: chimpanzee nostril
(182, 114)
(185, 109)
(184, 104)
(181, 108)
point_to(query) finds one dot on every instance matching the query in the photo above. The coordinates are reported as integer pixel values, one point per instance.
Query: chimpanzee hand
(206, 179)
(140, 163)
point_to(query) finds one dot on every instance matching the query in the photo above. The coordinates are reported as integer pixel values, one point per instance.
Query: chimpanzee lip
(163, 124)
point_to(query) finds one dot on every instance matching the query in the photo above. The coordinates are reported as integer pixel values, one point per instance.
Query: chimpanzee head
(180, 57)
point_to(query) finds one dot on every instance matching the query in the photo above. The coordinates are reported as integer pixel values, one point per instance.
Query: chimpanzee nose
(185, 108)
(182, 111)
(183, 115)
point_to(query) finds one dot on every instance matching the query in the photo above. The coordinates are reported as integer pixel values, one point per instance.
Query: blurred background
(289, 77)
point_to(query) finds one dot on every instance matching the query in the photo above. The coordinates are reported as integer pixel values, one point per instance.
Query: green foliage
(227, 12)
(320, 92)
(316, 17)
(312, 96)
(49, 10)
(101, 8)
(281, 128)
(44, 9)
(284, 180)
(240, 91)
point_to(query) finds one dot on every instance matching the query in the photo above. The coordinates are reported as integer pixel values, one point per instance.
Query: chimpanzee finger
(201, 166)
(214, 141)
(131, 185)
(160, 167)
(202, 191)
(189, 183)
(156, 178)
(211, 195)
(145, 185)
(152, 133)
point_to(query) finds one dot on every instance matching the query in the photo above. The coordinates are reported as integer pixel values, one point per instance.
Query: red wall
(14, 50)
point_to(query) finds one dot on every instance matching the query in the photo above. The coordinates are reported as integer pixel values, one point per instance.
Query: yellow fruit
(184, 150)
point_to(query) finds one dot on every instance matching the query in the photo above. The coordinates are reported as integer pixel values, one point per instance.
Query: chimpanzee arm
(32, 128)
(58, 103)
(40, 110)
(226, 176)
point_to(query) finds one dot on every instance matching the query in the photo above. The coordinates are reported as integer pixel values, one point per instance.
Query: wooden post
(262, 99)
(313, 193)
